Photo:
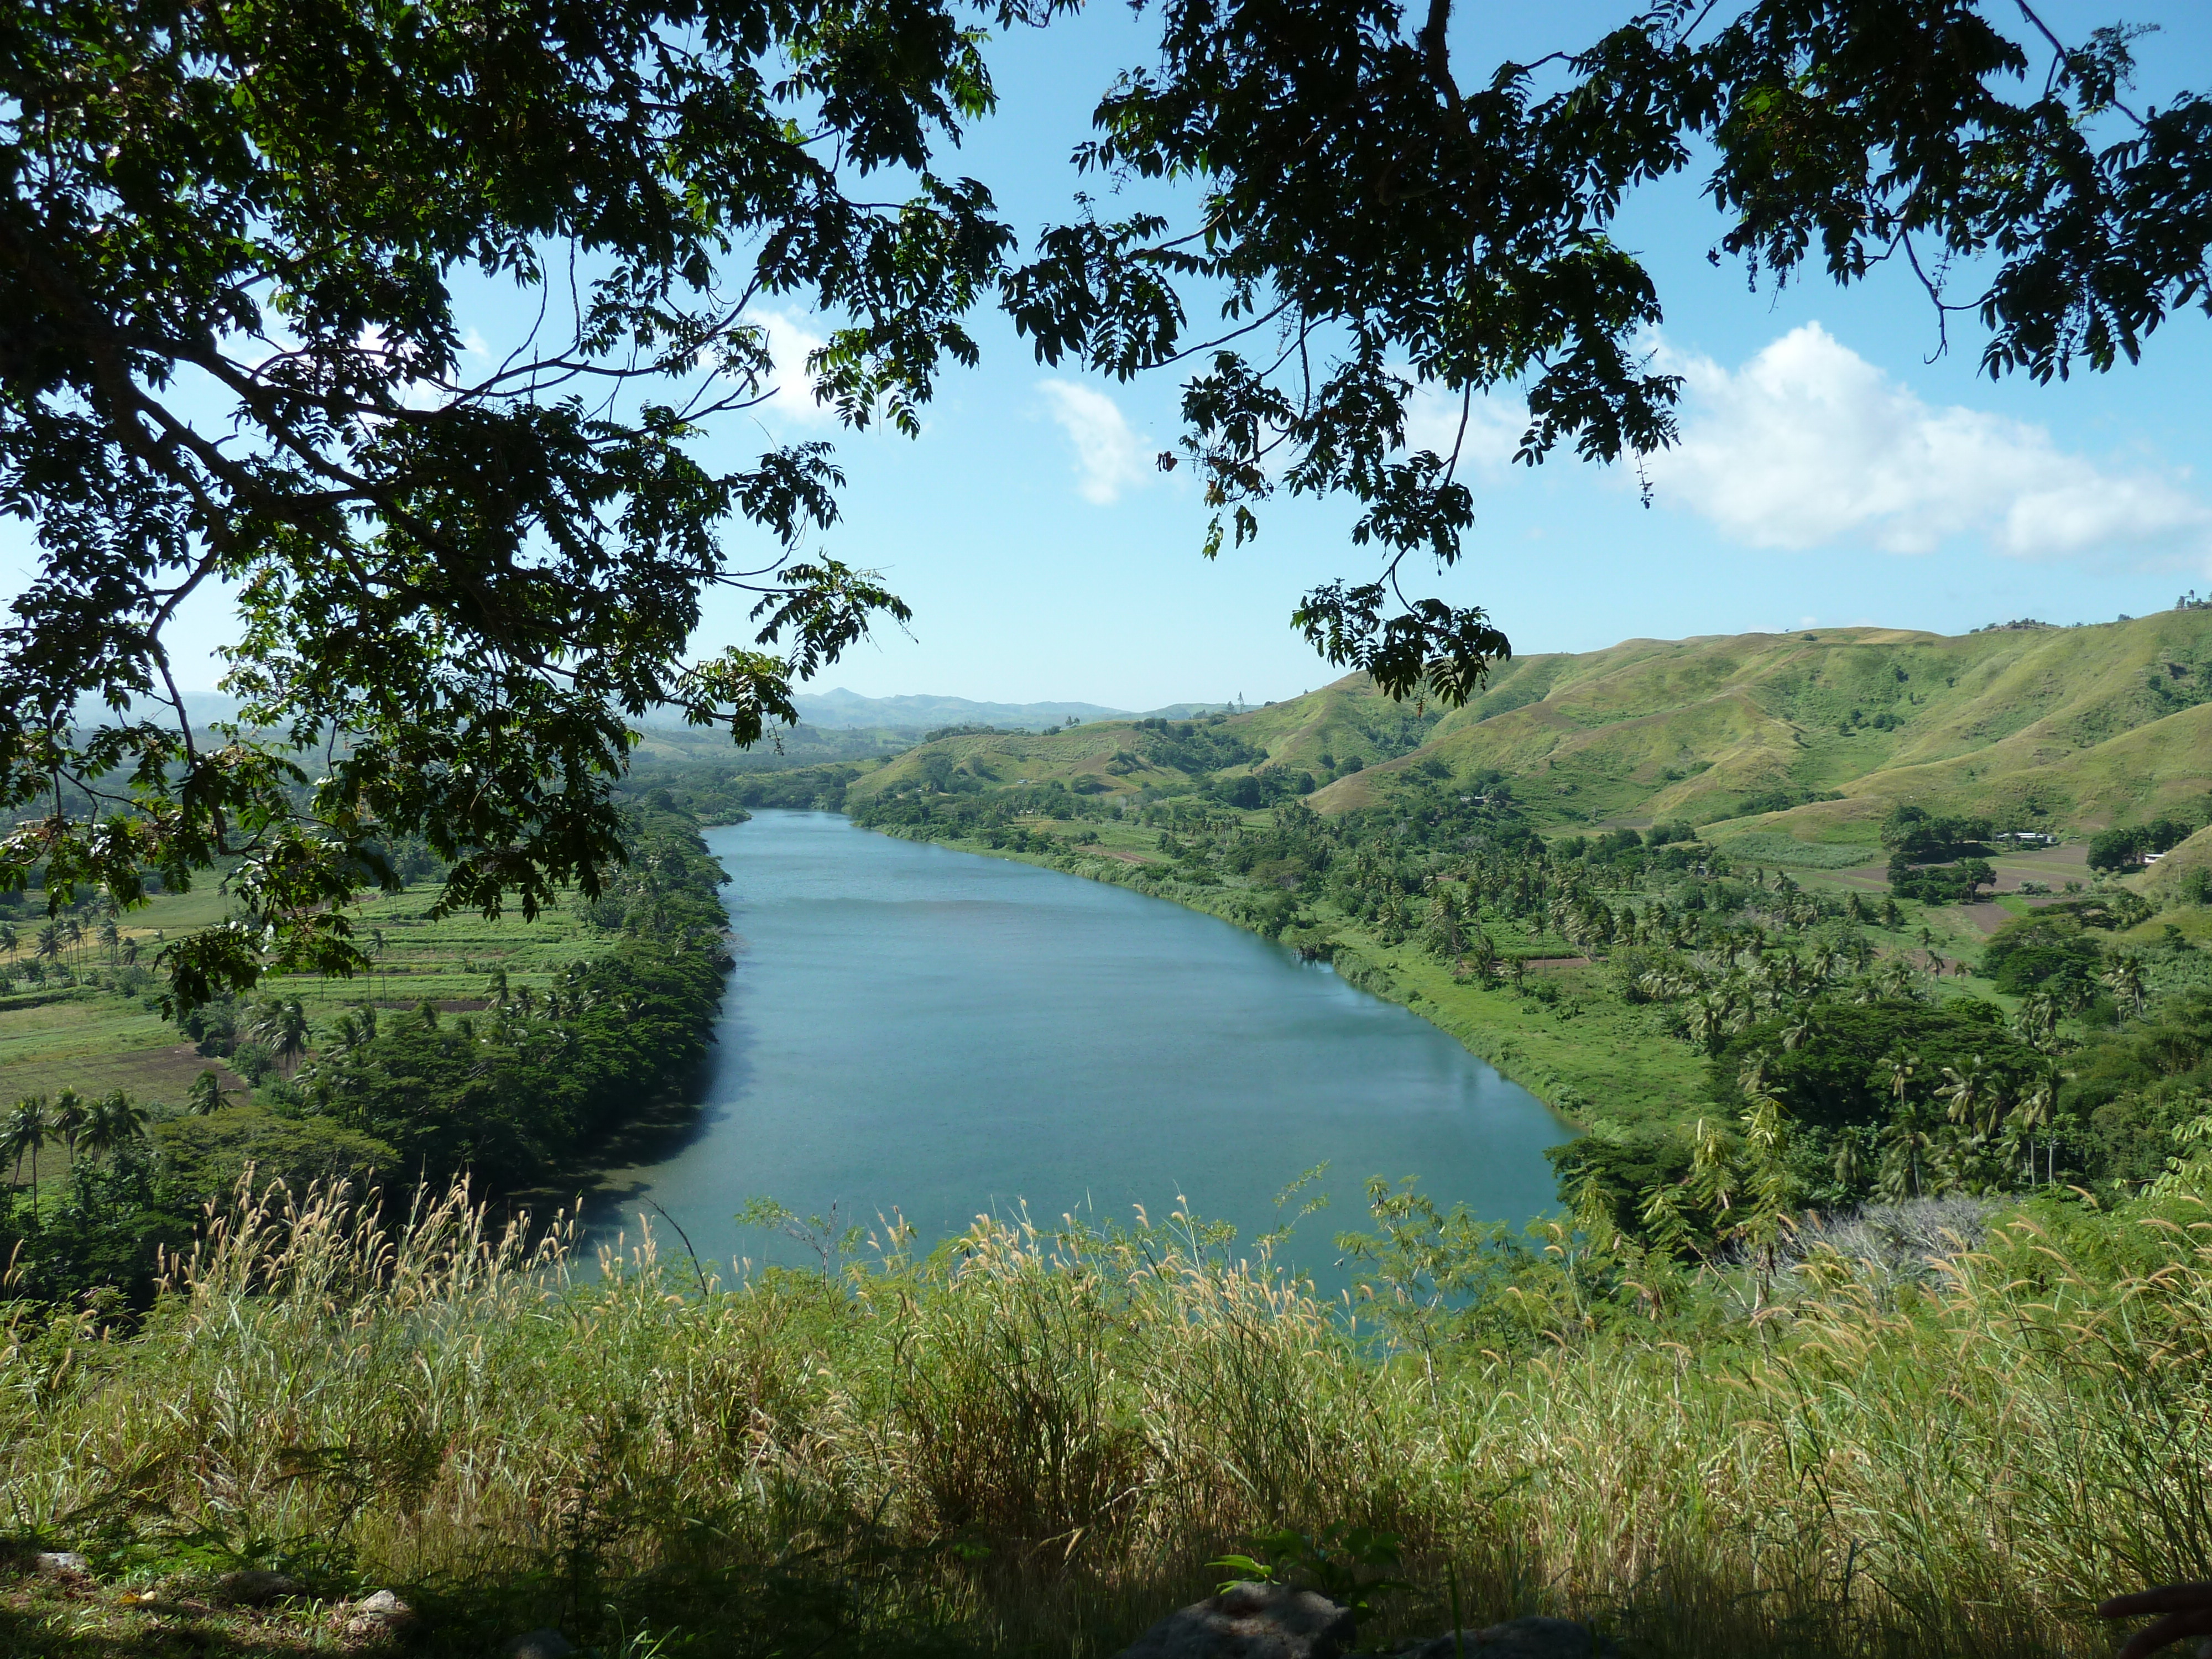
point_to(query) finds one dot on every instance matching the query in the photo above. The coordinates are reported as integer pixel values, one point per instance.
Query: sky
(1833, 468)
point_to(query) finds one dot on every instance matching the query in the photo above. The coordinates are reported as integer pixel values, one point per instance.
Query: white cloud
(1809, 443)
(1494, 426)
(1106, 450)
(789, 387)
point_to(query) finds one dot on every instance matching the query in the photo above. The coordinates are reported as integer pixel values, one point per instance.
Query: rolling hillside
(1811, 734)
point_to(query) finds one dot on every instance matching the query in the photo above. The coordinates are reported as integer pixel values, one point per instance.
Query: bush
(2041, 952)
(253, 1062)
(201, 1156)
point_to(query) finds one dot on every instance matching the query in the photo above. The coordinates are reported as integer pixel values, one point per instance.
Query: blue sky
(1830, 473)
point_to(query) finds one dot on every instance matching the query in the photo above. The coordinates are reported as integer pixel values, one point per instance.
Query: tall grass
(1033, 1440)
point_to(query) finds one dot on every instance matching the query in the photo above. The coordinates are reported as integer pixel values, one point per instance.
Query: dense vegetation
(512, 1088)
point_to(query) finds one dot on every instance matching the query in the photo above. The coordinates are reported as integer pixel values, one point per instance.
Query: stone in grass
(255, 1587)
(1250, 1621)
(1520, 1638)
(380, 1615)
(61, 1564)
(539, 1644)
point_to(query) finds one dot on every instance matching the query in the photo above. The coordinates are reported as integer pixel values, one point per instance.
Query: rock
(255, 1587)
(1250, 1621)
(380, 1615)
(61, 1564)
(1520, 1638)
(539, 1644)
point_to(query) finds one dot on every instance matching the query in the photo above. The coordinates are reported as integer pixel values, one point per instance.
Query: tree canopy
(233, 236)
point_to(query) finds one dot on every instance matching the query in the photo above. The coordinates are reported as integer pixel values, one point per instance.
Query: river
(914, 1030)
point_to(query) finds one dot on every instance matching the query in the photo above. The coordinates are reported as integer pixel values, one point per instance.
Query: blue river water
(917, 1031)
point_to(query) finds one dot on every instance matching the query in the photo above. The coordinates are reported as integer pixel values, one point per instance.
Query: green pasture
(96, 1041)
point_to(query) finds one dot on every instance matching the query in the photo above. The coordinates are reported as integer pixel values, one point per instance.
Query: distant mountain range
(840, 708)
(837, 709)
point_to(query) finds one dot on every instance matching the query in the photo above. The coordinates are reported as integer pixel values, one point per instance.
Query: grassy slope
(2062, 724)
(2077, 728)
(1342, 719)
(2165, 877)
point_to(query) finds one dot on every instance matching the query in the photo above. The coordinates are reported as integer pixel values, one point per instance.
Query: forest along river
(914, 1030)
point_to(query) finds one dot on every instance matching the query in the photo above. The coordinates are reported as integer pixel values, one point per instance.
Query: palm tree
(283, 1026)
(72, 1117)
(10, 941)
(2038, 1021)
(2036, 1109)
(2124, 980)
(72, 934)
(49, 947)
(1901, 1065)
(1907, 1149)
(205, 1096)
(110, 936)
(1973, 1096)
(1848, 1167)
(25, 1136)
(116, 1121)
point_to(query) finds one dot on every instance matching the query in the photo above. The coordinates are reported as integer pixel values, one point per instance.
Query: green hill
(1811, 735)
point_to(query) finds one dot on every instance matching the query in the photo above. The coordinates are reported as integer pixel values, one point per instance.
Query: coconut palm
(10, 941)
(25, 1136)
(111, 937)
(205, 1097)
(116, 1121)
(1972, 1097)
(72, 933)
(1848, 1165)
(1704, 1017)
(72, 1115)
(1902, 1067)
(2124, 980)
(2037, 1022)
(1909, 1162)
(2038, 1105)
(283, 1026)
(48, 949)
